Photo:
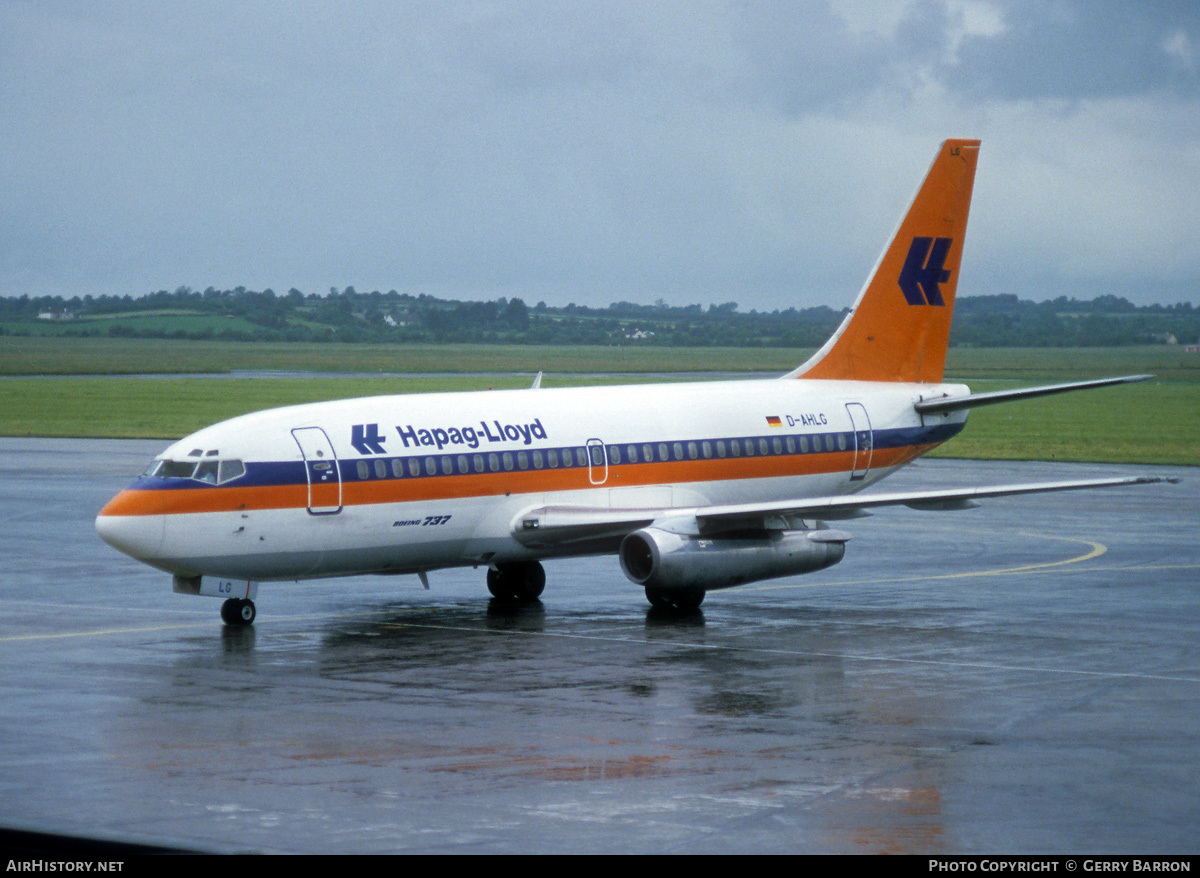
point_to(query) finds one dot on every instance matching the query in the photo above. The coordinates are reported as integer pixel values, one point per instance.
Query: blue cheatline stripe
(478, 462)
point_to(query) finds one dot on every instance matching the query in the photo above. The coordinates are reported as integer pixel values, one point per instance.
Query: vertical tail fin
(900, 326)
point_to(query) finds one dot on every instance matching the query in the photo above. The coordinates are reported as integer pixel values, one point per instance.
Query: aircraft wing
(853, 505)
(561, 526)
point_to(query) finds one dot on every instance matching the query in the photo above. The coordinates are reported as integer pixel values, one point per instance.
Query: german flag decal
(773, 421)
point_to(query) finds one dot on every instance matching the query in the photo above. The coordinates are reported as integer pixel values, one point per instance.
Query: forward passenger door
(321, 467)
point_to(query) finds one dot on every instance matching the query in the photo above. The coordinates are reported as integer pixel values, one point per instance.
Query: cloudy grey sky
(757, 152)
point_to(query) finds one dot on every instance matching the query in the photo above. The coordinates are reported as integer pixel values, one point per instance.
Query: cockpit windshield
(210, 470)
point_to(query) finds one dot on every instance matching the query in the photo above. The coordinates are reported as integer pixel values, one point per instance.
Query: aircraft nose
(139, 536)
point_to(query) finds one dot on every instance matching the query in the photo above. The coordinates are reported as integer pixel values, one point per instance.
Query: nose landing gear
(238, 612)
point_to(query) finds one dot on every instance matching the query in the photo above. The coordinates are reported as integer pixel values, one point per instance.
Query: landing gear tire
(658, 598)
(238, 612)
(519, 582)
(687, 599)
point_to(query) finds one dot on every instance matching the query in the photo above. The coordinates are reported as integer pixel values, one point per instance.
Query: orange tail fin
(900, 326)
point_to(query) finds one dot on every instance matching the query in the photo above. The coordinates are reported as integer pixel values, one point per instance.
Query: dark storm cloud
(806, 57)
(700, 151)
(1075, 51)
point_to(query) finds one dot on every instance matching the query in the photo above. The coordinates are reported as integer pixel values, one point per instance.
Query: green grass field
(27, 355)
(1152, 422)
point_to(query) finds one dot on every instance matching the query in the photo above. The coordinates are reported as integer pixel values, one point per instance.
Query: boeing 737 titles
(694, 487)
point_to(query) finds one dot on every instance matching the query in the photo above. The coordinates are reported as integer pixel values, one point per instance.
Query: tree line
(347, 315)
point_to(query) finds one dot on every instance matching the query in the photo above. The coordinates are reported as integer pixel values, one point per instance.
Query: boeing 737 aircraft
(694, 487)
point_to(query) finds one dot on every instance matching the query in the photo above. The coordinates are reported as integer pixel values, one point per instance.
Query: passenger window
(463, 463)
(414, 467)
(633, 455)
(397, 468)
(552, 458)
(508, 461)
(539, 460)
(380, 468)
(364, 471)
(614, 454)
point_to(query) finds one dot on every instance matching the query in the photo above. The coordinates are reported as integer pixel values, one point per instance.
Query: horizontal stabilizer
(955, 403)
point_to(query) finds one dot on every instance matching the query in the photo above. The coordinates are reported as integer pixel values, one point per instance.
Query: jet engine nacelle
(661, 559)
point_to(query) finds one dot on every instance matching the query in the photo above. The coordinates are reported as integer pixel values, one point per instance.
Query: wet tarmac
(1019, 678)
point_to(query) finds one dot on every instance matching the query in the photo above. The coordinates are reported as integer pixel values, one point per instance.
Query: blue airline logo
(923, 271)
(366, 439)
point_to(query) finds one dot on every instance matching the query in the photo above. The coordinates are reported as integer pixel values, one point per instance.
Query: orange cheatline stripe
(409, 490)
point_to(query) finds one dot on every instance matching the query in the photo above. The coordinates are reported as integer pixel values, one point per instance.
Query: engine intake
(660, 559)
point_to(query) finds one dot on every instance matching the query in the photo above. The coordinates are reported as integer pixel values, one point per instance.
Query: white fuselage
(417, 482)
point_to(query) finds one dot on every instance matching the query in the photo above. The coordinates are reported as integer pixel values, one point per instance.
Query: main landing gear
(238, 612)
(518, 582)
(678, 599)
